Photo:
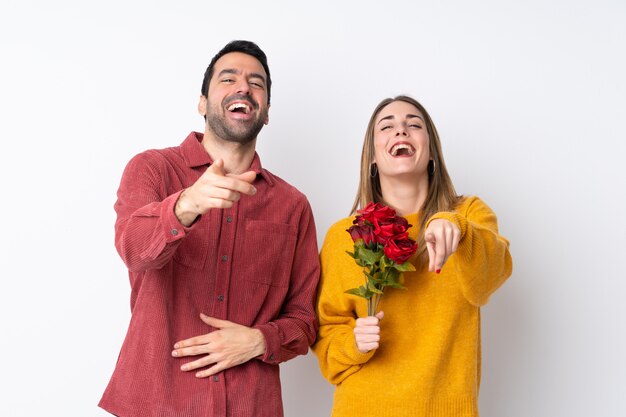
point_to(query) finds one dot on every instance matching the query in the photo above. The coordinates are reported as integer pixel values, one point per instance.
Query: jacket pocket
(267, 252)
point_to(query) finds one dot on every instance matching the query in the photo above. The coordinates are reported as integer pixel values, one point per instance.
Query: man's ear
(202, 106)
(267, 118)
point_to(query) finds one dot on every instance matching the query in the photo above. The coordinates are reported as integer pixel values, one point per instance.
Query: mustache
(241, 97)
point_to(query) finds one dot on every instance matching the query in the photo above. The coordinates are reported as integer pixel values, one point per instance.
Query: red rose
(381, 232)
(375, 213)
(400, 250)
(393, 229)
(361, 232)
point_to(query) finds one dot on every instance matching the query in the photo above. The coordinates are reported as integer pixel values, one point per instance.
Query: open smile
(239, 107)
(402, 149)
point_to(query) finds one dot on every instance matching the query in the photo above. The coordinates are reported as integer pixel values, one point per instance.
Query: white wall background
(529, 98)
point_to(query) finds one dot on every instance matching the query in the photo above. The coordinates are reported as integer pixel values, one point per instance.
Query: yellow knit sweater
(428, 362)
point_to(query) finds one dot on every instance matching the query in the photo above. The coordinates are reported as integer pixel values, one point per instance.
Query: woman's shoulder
(337, 234)
(340, 225)
(472, 204)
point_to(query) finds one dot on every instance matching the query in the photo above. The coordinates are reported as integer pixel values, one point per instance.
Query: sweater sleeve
(336, 348)
(482, 259)
(147, 232)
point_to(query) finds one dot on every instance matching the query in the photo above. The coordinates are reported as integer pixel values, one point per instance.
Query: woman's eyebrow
(391, 116)
(410, 116)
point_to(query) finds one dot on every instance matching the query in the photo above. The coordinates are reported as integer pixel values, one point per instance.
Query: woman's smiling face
(401, 142)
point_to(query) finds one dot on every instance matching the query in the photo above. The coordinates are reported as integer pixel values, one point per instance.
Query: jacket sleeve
(147, 231)
(482, 259)
(336, 348)
(294, 330)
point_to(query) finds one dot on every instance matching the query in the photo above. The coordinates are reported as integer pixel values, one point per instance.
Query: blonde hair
(441, 193)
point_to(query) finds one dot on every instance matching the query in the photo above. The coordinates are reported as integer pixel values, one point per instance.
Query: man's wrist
(182, 212)
(260, 344)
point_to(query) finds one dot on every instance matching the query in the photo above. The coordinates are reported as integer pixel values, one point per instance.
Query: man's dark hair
(246, 47)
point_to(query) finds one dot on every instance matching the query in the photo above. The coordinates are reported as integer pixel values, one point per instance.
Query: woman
(423, 358)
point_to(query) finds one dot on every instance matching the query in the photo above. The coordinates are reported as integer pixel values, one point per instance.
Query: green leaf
(386, 262)
(354, 291)
(378, 269)
(407, 266)
(373, 288)
(374, 279)
(392, 274)
(396, 285)
(360, 292)
(365, 292)
(368, 256)
(374, 285)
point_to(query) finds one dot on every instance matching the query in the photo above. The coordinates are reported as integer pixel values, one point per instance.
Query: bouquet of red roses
(382, 247)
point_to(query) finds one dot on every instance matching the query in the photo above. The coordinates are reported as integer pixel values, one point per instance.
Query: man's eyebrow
(236, 72)
(257, 75)
(228, 71)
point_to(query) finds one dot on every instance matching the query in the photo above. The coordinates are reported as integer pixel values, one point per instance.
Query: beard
(240, 131)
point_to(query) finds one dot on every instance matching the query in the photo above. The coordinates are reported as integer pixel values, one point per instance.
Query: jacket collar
(196, 156)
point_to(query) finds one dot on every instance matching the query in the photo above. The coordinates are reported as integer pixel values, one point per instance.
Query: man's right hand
(214, 189)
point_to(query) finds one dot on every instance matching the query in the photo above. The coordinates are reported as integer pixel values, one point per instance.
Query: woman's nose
(401, 131)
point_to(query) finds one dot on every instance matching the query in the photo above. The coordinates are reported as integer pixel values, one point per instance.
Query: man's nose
(243, 87)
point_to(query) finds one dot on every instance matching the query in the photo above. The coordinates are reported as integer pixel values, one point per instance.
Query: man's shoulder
(171, 153)
(285, 187)
(158, 156)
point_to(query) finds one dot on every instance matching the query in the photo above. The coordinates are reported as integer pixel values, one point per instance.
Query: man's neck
(237, 157)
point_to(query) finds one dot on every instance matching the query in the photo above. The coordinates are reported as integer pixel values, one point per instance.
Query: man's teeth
(236, 106)
(398, 147)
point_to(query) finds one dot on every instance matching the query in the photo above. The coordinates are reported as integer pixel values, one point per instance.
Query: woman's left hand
(442, 239)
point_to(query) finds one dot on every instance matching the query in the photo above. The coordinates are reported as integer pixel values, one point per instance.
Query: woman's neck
(404, 195)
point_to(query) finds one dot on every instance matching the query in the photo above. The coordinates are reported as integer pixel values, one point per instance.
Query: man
(222, 259)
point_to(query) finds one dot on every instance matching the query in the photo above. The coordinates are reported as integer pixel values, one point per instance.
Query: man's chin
(239, 139)
(242, 132)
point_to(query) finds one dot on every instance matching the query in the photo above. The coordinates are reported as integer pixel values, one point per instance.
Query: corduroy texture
(428, 362)
(255, 264)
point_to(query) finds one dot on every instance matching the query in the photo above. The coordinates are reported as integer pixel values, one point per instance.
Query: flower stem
(378, 297)
(372, 304)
